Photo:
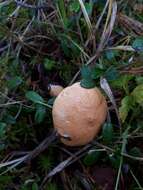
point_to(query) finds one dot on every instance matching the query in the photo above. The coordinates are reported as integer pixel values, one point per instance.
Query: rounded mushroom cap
(78, 113)
(55, 90)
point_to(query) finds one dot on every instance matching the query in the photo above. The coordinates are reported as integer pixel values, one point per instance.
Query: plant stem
(136, 180)
(125, 136)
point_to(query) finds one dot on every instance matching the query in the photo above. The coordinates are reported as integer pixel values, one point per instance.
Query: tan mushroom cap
(79, 114)
(55, 89)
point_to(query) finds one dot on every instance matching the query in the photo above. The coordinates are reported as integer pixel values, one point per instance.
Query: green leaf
(62, 9)
(70, 46)
(115, 160)
(111, 74)
(34, 97)
(51, 186)
(122, 82)
(5, 179)
(14, 82)
(87, 83)
(91, 158)
(49, 64)
(139, 80)
(87, 80)
(89, 7)
(74, 6)
(138, 44)
(138, 94)
(86, 72)
(45, 163)
(107, 132)
(111, 54)
(40, 113)
(3, 127)
(3, 30)
(126, 105)
(65, 47)
(97, 72)
(35, 186)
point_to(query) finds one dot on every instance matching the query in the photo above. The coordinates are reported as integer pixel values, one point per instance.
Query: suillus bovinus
(55, 90)
(78, 113)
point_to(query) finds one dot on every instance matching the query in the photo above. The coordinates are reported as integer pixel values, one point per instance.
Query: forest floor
(45, 42)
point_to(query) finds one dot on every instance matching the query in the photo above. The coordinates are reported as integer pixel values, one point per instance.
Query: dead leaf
(130, 24)
(138, 8)
(104, 177)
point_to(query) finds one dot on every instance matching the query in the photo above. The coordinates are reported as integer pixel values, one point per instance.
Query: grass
(49, 42)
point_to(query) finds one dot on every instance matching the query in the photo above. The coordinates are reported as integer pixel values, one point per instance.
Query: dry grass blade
(104, 39)
(86, 16)
(108, 15)
(42, 146)
(32, 154)
(16, 11)
(123, 149)
(102, 14)
(133, 70)
(78, 46)
(130, 24)
(106, 34)
(8, 163)
(108, 149)
(5, 3)
(12, 164)
(136, 180)
(123, 48)
(105, 86)
(67, 162)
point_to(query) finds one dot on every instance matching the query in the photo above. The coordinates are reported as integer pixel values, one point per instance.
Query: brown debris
(130, 24)
(138, 8)
(104, 177)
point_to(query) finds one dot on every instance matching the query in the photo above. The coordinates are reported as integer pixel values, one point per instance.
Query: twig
(21, 38)
(16, 11)
(26, 5)
(30, 155)
(67, 162)
(113, 151)
(42, 146)
(10, 103)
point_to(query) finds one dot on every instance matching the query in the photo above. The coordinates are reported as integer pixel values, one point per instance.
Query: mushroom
(78, 114)
(55, 89)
